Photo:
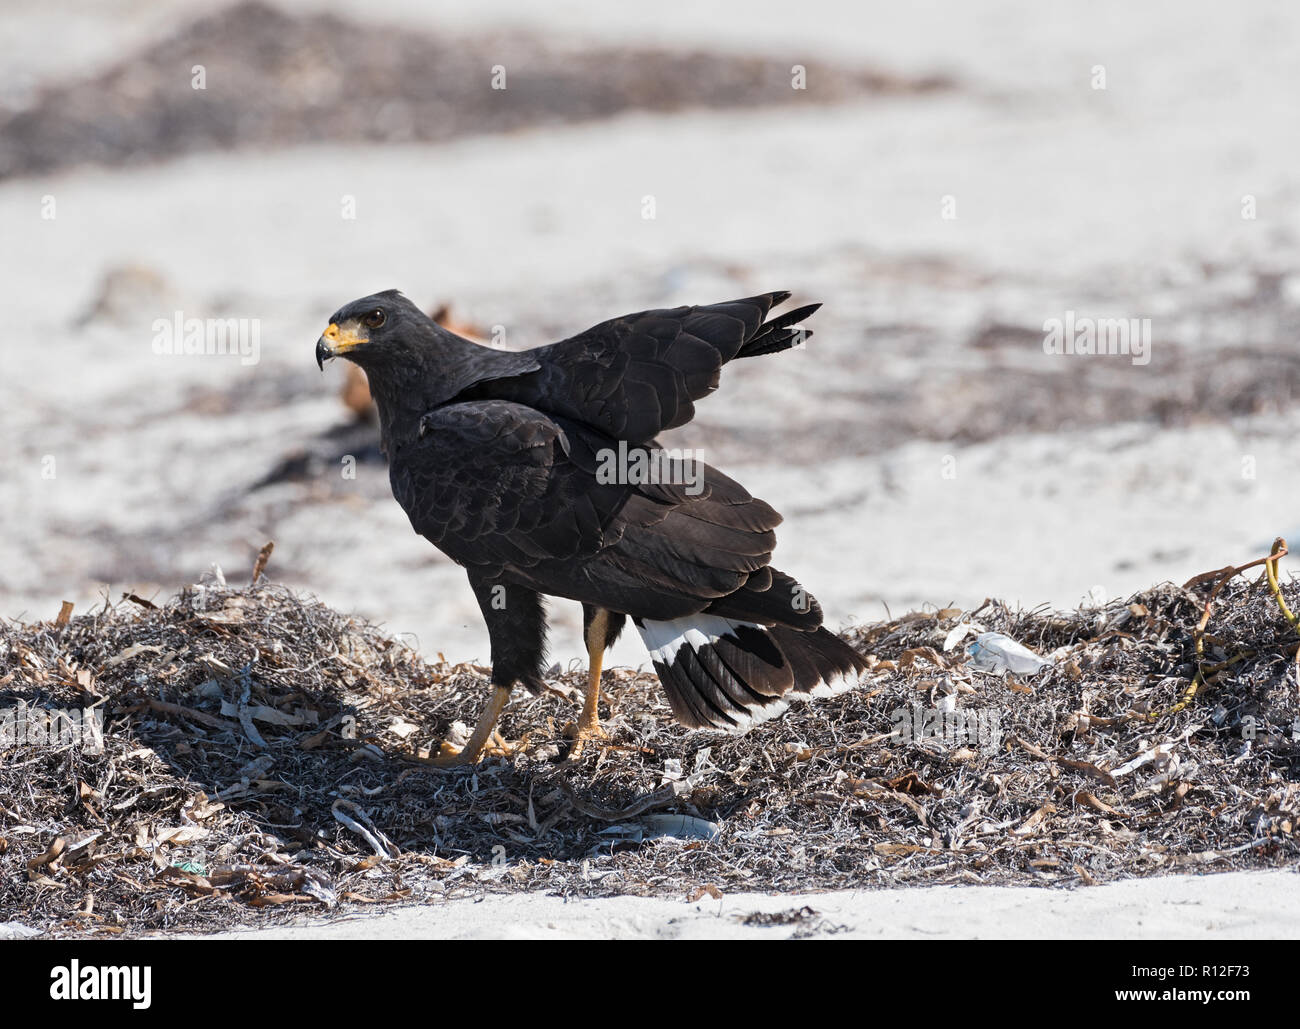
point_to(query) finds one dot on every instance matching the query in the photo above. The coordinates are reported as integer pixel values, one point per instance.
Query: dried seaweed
(262, 755)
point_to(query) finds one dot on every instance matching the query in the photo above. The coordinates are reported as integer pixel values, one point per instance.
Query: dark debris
(263, 754)
(273, 78)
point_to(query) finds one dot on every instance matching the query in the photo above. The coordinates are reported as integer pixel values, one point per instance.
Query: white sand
(1235, 905)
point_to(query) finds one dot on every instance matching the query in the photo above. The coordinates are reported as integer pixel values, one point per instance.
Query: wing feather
(636, 376)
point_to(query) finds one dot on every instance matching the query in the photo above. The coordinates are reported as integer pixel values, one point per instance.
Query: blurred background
(946, 178)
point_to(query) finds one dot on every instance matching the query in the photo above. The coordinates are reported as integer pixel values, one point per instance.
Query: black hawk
(539, 472)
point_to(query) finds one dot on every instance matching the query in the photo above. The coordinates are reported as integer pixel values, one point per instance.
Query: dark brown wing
(636, 376)
(513, 493)
(488, 483)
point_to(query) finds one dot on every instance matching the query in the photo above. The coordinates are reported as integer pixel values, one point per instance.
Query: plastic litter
(997, 653)
(660, 826)
(681, 827)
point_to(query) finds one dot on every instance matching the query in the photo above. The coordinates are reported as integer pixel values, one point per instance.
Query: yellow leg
(483, 732)
(588, 725)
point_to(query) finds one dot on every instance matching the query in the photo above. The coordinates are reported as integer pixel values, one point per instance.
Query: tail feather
(720, 673)
(752, 656)
(823, 663)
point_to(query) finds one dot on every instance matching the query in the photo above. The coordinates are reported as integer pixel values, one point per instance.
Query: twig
(263, 556)
(381, 844)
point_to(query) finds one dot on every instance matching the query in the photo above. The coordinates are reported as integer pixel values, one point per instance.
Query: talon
(577, 731)
(484, 735)
(449, 756)
(582, 734)
(499, 746)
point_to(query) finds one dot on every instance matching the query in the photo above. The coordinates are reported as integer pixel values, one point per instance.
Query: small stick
(263, 556)
(64, 615)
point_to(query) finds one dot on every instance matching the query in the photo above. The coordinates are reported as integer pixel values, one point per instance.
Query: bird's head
(411, 362)
(372, 331)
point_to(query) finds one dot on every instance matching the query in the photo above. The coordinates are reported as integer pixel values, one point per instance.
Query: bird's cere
(338, 340)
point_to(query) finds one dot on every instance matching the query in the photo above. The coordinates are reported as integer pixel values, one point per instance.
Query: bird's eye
(374, 319)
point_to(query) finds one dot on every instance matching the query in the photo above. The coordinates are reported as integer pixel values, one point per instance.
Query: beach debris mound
(243, 754)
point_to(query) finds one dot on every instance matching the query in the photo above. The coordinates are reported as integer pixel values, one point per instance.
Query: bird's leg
(588, 724)
(516, 623)
(483, 732)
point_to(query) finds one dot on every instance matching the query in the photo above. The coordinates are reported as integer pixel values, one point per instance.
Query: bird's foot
(582, 732)
(449, 756)
(499, 746)
(484, 739)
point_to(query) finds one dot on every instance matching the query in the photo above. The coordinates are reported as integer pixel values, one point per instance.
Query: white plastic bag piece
(997, 653)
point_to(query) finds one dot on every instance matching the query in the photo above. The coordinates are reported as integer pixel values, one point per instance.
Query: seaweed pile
(253, 76)
(245, 754)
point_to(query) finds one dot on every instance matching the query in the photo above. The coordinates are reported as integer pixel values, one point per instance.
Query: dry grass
(263, 755)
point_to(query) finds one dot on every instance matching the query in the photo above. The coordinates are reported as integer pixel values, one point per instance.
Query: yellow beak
(338, 340)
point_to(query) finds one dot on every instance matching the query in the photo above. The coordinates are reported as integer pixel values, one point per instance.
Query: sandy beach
(924, 448)
(1232, 906)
